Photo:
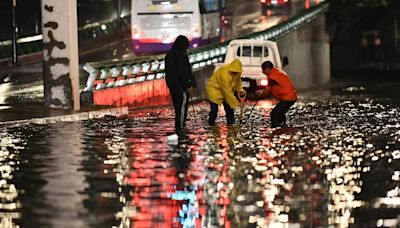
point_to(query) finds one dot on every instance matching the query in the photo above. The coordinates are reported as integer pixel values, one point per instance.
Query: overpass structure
(140, 81)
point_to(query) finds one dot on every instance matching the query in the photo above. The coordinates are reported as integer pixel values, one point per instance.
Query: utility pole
(60, 54)
(14, 34)
(119, 9)
(396, 39)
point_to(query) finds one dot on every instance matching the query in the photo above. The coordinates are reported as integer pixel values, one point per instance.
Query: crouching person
(281, 88)
(221, 88)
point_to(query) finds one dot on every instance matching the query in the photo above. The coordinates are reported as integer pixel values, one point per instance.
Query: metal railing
(111, 74)
(34, 44)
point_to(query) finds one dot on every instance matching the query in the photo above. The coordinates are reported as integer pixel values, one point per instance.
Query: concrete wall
(308, 51)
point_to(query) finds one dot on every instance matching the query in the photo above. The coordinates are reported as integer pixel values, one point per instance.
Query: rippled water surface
(337, 165)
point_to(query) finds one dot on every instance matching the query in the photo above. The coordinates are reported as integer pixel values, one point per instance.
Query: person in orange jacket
(221, 88)
(281, 88)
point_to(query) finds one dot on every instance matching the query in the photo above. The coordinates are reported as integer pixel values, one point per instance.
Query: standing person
(220, 90)
(180, 80)
(281, 88)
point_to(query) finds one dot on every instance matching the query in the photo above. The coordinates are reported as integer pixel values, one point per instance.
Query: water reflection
(10, 144)
(337, 166)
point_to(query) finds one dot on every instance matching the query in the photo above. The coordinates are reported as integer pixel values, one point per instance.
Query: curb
(70, 118)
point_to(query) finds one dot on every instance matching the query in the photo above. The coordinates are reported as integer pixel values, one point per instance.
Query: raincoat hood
(235, 66)
(181, 43)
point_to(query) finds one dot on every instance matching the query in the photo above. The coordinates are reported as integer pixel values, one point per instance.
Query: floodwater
(338, 165)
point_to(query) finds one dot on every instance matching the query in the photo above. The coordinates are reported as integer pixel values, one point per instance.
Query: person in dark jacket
(179, 78)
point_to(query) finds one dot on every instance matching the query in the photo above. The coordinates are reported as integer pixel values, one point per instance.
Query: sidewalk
(36, 113)
(21, 88)
(25, 106)
(26, 110)
(21, 100)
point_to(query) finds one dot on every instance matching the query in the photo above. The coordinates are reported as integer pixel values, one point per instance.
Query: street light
(14, 34)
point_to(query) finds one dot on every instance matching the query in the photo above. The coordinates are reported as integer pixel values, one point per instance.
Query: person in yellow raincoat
(221, 88)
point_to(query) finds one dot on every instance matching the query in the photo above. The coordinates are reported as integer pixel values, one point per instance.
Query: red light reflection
(155, 178)
(144, 94)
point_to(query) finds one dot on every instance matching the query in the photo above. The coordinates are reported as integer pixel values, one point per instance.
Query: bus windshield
(156, 23)
(156, 2)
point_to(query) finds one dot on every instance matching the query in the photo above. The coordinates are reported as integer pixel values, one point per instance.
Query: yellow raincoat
(222, 84)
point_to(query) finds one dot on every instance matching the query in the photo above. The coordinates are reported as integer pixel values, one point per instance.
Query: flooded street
(338, 165)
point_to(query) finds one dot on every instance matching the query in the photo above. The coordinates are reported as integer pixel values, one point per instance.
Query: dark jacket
(178, 71)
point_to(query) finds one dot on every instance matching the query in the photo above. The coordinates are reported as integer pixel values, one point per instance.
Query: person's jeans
(278, 114)
(230, 117)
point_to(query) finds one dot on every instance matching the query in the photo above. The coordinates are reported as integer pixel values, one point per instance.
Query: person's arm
(272, 82)
(239, 88)
(227, 91)
(267, 90)
(185, 72)
(191, 75)
(262, 93)
(239, 85)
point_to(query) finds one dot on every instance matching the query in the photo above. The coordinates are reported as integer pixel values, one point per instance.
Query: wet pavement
(338, 165)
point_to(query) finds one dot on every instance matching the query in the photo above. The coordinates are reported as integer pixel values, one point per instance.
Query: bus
(156, 23)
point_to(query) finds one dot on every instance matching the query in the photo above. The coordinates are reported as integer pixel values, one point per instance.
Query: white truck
(252, 53)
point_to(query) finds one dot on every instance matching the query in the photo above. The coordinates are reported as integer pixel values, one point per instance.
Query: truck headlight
(262, 82)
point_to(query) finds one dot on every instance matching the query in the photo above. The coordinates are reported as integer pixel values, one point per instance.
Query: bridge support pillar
(60, 52)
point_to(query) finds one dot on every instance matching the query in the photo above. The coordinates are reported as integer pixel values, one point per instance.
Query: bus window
(222, 4)
(208, 6)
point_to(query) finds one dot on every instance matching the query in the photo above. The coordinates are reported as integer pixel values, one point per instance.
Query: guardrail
(112, 74)
(34, 44)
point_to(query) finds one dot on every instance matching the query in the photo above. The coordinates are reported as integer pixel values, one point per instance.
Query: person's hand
(190, 91)
(260, 92)
(242, 94)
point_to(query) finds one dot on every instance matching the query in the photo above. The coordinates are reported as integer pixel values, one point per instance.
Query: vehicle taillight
(135, 32)
(263, 1)
(196, 29)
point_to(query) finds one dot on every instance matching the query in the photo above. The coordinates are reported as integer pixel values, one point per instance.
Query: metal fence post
(14, 34)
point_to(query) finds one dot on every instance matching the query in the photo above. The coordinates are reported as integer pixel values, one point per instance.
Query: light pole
(14, 34)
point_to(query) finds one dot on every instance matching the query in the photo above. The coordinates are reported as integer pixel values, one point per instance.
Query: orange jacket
(284, 89)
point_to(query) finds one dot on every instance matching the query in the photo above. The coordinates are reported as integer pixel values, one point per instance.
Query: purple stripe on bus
(154, 48)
